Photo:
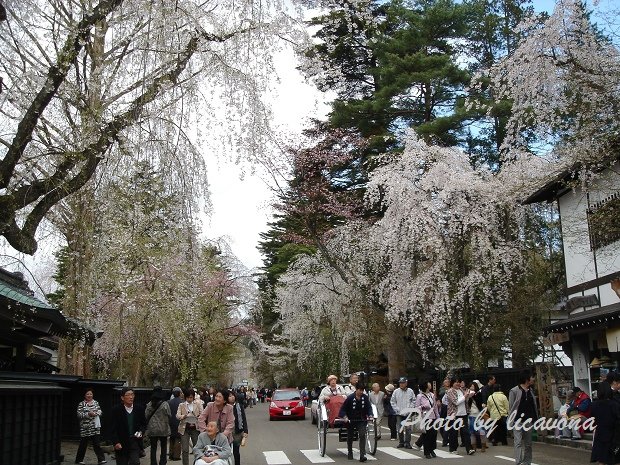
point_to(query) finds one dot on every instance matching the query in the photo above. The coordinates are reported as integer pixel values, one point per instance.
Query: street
(295, 442)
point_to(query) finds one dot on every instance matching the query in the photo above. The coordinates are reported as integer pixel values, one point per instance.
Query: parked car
(287, 403)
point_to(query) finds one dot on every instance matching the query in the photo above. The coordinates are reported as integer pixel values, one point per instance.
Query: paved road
(295, 442)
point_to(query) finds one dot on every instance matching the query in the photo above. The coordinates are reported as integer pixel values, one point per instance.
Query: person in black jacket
(357, 410)
(241, 425)
(606, 413)
(175, 437)
(388, 411)
(127, 426)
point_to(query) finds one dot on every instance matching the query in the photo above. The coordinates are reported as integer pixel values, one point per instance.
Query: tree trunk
(395, 350)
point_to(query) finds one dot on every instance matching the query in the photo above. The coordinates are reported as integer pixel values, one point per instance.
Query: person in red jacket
(579, 408)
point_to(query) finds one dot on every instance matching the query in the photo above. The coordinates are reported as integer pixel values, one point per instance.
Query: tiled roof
(21, 297)
(587, 318)
(15, 288)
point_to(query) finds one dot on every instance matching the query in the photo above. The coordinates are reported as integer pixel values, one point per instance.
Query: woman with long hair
(241, 425)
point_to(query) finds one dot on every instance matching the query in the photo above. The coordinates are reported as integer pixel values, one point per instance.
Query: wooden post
(544, 388)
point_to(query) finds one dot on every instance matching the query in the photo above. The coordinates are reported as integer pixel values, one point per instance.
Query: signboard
(582, 301)
(552, 339)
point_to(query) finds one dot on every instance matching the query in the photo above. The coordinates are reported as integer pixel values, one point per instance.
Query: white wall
(579, 259)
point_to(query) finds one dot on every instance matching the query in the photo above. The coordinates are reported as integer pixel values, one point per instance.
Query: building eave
(586, 319)
(552, 189)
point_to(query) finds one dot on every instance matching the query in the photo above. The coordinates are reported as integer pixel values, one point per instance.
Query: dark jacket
(607, 436)
(174, 422)
(356, 409)
(244, 428)
(119, 426)
(387, 405)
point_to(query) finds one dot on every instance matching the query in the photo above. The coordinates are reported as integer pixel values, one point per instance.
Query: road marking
(447, 455)
(356, 454)
(510, 459)
(315, 457)
(276, 457)
(399, 454)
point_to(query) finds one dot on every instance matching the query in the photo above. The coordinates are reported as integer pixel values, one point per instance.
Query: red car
(287, 403)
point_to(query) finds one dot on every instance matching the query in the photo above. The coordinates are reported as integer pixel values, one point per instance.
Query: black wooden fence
(30, 423)
(38, 410)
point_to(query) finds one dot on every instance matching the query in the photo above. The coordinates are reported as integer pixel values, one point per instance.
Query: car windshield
(286, 395)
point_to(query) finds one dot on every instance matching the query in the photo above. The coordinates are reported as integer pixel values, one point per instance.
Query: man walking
(402, 399)
(356, 408)
(175, 437)
(127, 429)
(376, 397)
(487, 389)
(522, 415)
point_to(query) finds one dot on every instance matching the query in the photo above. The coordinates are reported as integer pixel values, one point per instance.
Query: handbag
(146, 440)
(417, 426)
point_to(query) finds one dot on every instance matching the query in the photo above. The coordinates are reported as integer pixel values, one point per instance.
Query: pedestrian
(175, 437)
(212, 447)
(487, 389)
(241, 396)
(443, 411)
(357, 410)
(241, 426)
(187, 414)
(606, 413)
(353, 380)
(89, 413)
(522, 404)
(211, 395)
(402, 400)
(220, 412)
(158, 425)
(478, 434)
(376, 398)
(497, 406)
(127, 426)
(458, 421)
(389, 412)
(425, 401)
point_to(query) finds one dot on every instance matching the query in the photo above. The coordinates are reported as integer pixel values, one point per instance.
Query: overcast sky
(241, 208)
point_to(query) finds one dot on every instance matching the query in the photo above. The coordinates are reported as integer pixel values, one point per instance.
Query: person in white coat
(403, 399)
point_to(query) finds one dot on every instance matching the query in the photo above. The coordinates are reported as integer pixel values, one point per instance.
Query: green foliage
(63, 259)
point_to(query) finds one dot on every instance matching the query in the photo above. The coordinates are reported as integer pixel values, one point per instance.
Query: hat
(177, 389)
(330, 377)
(389, 388)
(403, 379)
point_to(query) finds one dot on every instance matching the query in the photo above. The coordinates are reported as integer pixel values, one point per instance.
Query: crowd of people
(468, 409)
(211, 426)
